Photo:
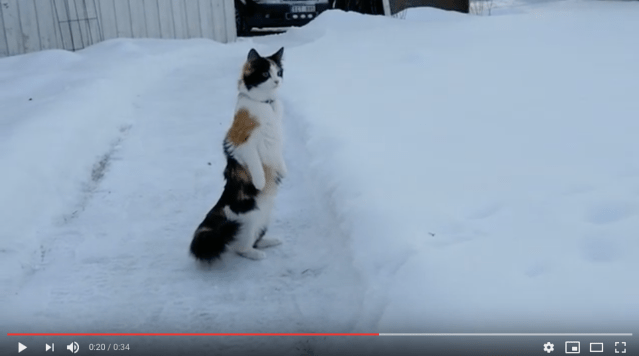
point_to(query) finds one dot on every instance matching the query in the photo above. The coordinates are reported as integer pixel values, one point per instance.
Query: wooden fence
(34, 25)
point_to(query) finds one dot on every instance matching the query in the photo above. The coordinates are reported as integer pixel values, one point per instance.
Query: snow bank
(485, 168)
(429, 14)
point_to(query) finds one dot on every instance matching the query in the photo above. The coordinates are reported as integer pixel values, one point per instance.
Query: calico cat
(254, 167)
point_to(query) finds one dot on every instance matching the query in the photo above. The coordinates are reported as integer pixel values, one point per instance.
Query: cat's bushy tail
(211, 237)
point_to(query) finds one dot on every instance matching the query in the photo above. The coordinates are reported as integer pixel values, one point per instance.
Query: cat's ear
(253, 55)
(277, 56)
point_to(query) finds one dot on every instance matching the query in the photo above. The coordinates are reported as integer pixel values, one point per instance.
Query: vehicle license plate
(309, 8)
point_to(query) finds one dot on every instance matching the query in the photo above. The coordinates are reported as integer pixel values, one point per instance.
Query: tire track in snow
(98, 171)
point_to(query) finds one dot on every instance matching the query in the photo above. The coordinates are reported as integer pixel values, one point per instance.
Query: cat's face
(263, 73)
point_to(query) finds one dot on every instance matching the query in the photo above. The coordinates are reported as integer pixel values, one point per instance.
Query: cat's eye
(279, 73)
(266, 74)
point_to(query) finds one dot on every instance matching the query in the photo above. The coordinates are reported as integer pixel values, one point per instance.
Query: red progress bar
(192, 334)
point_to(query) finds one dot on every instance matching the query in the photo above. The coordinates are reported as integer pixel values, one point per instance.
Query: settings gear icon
(548, 347)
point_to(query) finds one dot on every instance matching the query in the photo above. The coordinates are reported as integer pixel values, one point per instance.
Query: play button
(21, 347)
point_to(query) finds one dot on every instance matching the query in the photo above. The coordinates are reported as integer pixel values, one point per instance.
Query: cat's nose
(277, 82)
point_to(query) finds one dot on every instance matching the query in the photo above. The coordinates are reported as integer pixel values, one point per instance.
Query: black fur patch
(277, 57)
(211, 237)
(227, 148)
(216, 231)
(259, 73)
(238, 194)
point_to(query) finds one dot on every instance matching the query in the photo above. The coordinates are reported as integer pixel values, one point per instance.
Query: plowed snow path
(119, 263)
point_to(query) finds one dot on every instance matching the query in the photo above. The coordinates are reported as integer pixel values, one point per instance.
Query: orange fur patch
(241, 174)
(247, 69)
(242, 127)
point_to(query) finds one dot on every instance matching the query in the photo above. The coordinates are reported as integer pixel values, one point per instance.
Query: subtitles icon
(572, 347)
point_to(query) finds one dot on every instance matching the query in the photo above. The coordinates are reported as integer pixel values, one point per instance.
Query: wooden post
(387, 9)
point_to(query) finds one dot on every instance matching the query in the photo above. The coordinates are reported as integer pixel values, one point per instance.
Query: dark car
(276, 13)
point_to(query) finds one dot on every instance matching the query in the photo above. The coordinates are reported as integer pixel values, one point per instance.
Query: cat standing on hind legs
(254, 167)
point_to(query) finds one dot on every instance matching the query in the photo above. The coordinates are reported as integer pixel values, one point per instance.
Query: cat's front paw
(282, 171)
(259, 182)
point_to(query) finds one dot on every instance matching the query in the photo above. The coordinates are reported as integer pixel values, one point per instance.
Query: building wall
(34, 25)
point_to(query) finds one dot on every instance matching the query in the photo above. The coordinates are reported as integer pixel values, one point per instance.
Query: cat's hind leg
(266, 201)
(245, 238)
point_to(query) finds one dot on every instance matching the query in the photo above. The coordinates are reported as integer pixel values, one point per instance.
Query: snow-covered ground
(448, 173)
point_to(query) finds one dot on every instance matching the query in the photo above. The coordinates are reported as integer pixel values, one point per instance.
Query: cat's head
(262, 75)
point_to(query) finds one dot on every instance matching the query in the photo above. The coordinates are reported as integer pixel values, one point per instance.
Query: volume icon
(52, 347)
(73, 347)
